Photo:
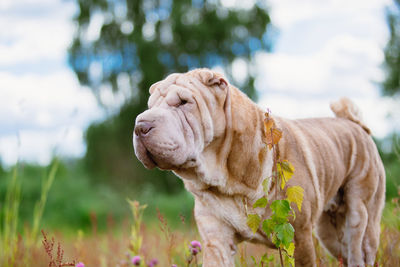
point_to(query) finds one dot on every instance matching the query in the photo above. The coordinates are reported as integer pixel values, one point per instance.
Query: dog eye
(183, 102)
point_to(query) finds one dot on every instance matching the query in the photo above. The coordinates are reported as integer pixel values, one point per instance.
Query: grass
(162, 231)
(113, 248)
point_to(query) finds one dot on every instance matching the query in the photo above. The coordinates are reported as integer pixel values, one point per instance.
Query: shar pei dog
(211, 135)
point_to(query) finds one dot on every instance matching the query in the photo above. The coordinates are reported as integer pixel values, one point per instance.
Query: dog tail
(346, 109)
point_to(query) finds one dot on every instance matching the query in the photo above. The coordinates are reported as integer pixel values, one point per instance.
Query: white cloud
(374, 111)
(39, 146)
(326, 50)
(44, 35)
(286, 13)
(43, 109)
(344, 65)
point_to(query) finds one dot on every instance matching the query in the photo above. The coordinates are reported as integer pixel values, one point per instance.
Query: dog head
(186, 113)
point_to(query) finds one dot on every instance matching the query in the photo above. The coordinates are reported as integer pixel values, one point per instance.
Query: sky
(323, 50)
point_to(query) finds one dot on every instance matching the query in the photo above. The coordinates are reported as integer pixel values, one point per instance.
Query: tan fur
(214, 142)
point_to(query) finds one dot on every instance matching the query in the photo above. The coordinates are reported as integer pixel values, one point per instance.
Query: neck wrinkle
(246, 159)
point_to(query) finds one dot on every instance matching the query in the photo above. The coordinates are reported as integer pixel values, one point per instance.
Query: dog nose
(143, 127)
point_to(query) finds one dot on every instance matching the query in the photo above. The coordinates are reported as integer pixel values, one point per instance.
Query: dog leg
(304, 252)
(331, 227)
(330, 234)
(218, 240)
(356, 223)
(371, 237)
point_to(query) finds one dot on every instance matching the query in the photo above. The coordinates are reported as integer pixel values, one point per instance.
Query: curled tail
(346, 109)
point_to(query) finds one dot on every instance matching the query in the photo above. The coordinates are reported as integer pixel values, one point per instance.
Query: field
(163, 234)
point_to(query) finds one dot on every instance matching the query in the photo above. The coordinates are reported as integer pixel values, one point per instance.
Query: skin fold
(211, 135)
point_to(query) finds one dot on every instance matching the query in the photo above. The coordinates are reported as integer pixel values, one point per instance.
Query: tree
(391, 85)
(139, 43)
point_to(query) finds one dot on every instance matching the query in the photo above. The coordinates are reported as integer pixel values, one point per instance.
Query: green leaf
(265, 185)
(268, 226)
(281, 208)
(276, 241)
(290, 249)
(254, 260)
(266, 259)
(285, 170)
(295, 194)
(290, 260)
(260, 203)
(285, 233)
(253, 221)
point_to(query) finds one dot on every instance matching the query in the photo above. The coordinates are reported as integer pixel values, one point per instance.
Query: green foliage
(284, 233)
(389, 150)
(277, 226)
(253, 221)
(391, 85)
(38, 210)
(140, 42)
(82, 201)
(285, 171)
(260, 203)
(136, 238)
(295, 194)
(9, 226)
(280, 209)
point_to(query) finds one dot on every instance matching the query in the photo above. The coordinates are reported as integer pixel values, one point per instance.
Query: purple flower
(152, 263)
(174, 265)
(136, 260)
(80, 264)
(196, 244)
(194, 251)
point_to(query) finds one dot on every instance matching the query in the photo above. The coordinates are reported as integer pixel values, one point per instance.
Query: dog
(211, 135)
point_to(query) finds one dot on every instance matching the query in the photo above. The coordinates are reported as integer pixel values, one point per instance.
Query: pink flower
(194, 251)
(174, 265)
(80, 264)
(136, 260)
(152, 263)
(196, 244)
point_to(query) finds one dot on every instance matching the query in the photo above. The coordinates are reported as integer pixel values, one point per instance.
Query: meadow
(57, 216)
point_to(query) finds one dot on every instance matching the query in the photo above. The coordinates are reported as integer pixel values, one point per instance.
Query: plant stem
(280, 256)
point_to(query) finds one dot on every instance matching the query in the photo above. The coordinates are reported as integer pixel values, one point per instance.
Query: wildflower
(174, 265)
(152, 263)
(196, 244)
(80, 264)
(194, 251)
(136, 260)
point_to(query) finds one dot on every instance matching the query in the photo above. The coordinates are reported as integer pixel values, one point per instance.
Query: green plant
(8, 231)
(277, 227)
(136, 239)
(40, 204)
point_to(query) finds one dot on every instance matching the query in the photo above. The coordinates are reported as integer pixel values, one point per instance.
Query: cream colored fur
(211, 135)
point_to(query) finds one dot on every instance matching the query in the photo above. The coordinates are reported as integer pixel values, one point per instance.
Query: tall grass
(10, 239)
(8, 231)
(117, 245)
(47, 182)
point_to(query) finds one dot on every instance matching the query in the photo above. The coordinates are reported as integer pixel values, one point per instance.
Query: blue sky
(324, 50)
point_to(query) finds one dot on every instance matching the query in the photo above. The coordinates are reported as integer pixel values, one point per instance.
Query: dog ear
(218, 81)
(210, 78)
(153, 87)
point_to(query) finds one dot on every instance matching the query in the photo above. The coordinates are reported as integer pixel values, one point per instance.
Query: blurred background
(74, 75)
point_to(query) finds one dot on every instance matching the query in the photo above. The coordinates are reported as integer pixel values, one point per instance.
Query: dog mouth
(151, 158)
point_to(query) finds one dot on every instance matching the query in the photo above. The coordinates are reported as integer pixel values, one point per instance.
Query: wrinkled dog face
(184, 116)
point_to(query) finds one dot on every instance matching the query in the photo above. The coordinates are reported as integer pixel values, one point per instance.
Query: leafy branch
(277, 226)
